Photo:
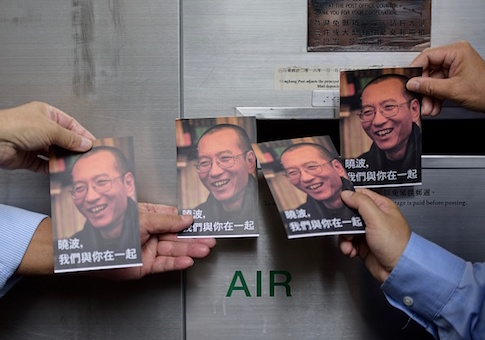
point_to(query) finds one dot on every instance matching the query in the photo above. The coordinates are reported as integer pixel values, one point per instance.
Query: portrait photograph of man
(94, 207)
(380, 127)
(306, 178)
(217, 176)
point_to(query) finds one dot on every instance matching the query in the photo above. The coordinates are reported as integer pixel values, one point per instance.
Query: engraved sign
(368, 25)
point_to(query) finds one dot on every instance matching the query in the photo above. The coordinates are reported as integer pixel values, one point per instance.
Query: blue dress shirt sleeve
(17, 226)
(439, 290)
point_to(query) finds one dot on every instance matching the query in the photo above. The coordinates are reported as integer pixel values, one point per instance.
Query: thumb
(434, 87)
(155, 223)
(70, 140)
(365, 203)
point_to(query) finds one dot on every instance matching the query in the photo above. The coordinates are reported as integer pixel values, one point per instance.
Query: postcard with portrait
(217, 176)
(94, 207)
(305, 177)
(380, 127)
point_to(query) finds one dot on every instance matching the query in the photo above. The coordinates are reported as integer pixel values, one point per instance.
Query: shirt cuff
(17, 226)
(423, 280)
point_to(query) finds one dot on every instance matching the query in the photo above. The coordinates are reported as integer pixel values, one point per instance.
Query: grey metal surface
(332, 297)
(114, 66)
(448, 208)
(231, 49)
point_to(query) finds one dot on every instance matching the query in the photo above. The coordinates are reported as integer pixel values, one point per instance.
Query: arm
(455, 72)
(439, 290)
(26, 245)
(39, 256)
(17, 227)
(162, 251)
(26, 132)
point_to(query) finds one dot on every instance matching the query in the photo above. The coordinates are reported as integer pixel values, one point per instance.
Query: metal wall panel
(230, 52)
(231, 49)
(114, 66)
(332, 297)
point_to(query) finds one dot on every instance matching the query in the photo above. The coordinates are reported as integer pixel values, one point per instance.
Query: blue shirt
(439, 290)
(17, 226)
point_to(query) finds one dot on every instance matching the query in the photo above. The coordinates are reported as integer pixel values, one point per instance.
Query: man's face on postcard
(227, 184)
(103, 208)
(390, 133)
(318, 177)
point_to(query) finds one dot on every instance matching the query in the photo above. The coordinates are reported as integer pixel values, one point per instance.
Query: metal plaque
(368, 25)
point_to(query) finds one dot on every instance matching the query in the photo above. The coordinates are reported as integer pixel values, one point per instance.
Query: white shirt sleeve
(17, 226)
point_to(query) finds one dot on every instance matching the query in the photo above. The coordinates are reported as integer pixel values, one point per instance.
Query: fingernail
(347, 193)
(186, 218)
(86, 144)
(425, 109)
(412, 85)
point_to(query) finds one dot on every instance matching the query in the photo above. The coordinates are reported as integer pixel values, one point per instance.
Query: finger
(176, 249)
(371, 206)
(346, 247)
(437, 57)
(167, 258)
(165, 263)
(430, 106)
(439, 88)
(208, 241)
(157, 208)
(69, 140)
(67, 132)
(67, 122)
(362, 200)
(439, 74)
(436, 106)
(155, 223)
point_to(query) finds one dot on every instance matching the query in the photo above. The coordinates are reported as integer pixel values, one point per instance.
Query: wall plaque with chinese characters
(368, 25)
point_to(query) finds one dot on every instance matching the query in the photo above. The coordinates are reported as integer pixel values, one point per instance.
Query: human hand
(386, 234)
(28, 130)
(455, 72)
(162, 251)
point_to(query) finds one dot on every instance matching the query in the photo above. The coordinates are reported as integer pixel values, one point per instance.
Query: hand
(455, 72)
(386, 234)
(28, 130)
(162, 251)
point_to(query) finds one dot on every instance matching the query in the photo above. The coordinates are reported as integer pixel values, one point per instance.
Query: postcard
(217, 176)
(94, 207)
(305, 177)
(380, 127)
